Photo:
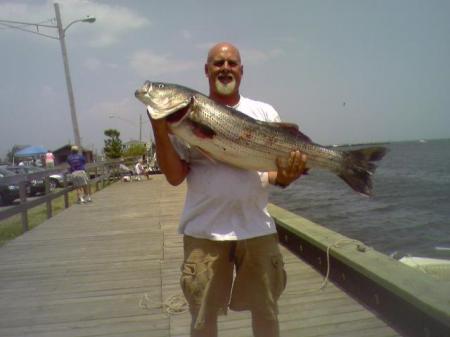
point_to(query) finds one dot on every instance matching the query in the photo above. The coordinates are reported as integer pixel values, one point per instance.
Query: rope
(174, 305)
(337, 244)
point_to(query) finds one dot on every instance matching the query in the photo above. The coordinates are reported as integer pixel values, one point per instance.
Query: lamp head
(89, 19)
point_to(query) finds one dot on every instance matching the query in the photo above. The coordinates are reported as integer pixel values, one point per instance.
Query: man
(80, 179)
(225, 222)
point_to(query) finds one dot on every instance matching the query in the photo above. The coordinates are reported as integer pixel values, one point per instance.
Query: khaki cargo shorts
(208, 270)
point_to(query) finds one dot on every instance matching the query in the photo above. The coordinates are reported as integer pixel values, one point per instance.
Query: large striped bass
(229, 136)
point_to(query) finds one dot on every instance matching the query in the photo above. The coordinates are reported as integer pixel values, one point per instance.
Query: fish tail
(358, 168)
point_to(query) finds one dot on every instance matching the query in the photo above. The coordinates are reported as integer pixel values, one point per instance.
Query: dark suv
(8, 192)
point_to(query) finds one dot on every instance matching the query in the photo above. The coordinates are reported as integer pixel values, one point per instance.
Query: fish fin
(292, 129)
(358, 168)
(178, 116)
(201, 130)
(206, 154)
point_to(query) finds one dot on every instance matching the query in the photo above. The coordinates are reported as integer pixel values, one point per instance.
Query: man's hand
(296, 166)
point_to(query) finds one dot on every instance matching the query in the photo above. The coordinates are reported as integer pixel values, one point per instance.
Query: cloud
(250, 56)
(93, 64)
(257, 57)
(112, 21)
(151, 64)
(48, 92)
(186, 34)
(104, 109)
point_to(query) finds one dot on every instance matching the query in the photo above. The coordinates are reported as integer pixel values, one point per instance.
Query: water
(409, 213)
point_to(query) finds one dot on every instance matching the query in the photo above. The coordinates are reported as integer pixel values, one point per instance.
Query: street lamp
(61, 38)
(62, 34)
(133, 123)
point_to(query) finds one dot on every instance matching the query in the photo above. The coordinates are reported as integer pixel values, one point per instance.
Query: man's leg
(263, 327)
(80, 195)
(206, 280)
(259, 282)
(209, 328)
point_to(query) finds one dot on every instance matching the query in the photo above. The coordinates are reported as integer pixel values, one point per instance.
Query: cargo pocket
(279, 276)
(194, 277)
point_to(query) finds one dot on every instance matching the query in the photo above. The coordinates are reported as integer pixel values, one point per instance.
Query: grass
(12, 227)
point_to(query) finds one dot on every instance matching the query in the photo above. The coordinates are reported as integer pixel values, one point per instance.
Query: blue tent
(31, 151)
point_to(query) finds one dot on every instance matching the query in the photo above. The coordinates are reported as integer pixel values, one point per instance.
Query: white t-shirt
(223, 202)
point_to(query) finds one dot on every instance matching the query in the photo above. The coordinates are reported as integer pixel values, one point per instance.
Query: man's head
(224, 71)
(74, 149)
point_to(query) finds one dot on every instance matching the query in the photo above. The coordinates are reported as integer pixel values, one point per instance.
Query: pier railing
(101, 174)
(410, 300)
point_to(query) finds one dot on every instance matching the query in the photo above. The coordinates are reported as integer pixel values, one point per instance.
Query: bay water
(409, 213)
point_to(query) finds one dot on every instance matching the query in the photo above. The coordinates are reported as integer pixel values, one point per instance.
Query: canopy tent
(31, 151)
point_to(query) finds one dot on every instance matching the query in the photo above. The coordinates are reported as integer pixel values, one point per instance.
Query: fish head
(163, 99)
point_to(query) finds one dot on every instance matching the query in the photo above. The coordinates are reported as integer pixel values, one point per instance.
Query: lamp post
(61, 37)
(61, 34)
(128, 121)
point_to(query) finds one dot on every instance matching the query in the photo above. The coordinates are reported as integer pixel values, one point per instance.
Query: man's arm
(286, 175)
(174, 168)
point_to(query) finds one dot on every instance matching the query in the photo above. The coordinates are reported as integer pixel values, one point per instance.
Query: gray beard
(225, 89)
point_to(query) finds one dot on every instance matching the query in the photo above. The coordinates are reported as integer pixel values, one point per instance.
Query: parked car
(36, 186)
(57, 179)
(8, 192)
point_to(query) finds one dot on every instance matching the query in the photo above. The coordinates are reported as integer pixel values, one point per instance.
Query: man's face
(224, 71)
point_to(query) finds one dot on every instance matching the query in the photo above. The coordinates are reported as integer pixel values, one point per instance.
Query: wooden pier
(106, 269)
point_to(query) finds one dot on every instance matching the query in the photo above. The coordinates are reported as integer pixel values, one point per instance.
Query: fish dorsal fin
(292, 129)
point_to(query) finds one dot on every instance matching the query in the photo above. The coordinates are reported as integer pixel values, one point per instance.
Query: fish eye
(160, 86)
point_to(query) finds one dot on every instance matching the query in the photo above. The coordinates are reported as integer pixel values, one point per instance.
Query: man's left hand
(296, 166)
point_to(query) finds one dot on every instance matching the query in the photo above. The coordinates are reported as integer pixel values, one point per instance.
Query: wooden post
(97, 182)
(66, 192)
(23, 200)
(49, 201)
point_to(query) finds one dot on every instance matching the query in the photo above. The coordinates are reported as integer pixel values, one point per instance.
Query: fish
(227, 135)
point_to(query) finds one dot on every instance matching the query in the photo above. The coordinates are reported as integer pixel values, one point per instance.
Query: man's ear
(206, 70)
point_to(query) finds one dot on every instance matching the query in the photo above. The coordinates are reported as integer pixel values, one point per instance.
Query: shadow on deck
(105, 269)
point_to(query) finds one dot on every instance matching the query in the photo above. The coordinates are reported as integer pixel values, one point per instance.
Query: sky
(347, 71)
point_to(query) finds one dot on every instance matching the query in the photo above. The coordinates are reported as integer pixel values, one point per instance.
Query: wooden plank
(107, 269)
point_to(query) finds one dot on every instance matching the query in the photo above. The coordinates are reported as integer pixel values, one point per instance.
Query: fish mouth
(145, 89)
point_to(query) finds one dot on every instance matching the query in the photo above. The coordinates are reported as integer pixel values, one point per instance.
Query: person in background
(231, 253)
(139, 168)
(80, 179)
(49, 160)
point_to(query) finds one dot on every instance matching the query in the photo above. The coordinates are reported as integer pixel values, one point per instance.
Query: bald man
(231, 254)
